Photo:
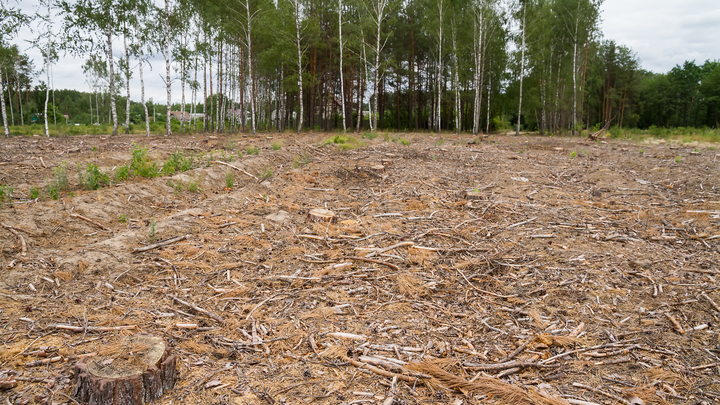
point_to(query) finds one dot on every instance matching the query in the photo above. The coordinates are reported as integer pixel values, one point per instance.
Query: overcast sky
(663, 33)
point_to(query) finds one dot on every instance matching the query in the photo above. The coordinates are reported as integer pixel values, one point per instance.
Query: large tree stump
(133, 372)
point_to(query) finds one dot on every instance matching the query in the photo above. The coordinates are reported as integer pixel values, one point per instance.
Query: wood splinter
(321, 215)
(675, 323)
(99, 225)
(23, 246)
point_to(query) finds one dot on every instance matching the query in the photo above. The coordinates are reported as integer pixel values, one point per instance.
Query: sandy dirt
(537, 270)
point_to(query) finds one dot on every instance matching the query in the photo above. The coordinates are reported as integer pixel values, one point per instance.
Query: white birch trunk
(127, 86)
(142, 96)
(4, 112)
(479, 63)
(168, 84)
(487, 121)
(381, 4)
(367, 82)
(299, 63)
(574, 117)
(111, 72)
(522, 71)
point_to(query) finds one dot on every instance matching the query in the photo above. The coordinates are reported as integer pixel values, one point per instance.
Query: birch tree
(378, 10)
(10, 21)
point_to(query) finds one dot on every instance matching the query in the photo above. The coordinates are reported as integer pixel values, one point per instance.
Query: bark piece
(475, 196)
(321, 215)
(136, 371)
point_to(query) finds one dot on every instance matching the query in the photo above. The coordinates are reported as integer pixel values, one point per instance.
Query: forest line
(463, 65)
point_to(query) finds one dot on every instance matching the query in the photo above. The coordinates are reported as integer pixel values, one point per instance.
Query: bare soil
(560, 277)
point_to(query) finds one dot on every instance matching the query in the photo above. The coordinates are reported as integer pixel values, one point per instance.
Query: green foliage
(252, 150)
(265, 174)
(573, 154)
(122, 218)
(122, 173)
(301, 160)
(141, 164)
(404, 142)
(177, 162)
(34, 193)
(370, 135)
(678, 159)
(60, 177)
(91, 177)
(6, 193)
(193, 185)
(52, 191)
(276, 145)
(229, 179)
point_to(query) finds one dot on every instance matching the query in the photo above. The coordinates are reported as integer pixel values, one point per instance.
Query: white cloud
(665, 33)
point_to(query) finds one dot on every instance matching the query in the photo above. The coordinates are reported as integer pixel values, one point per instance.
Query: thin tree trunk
(342, 77)
(111, 72)
(381, 4)
(142, 80)
(299, 63)
(4, 112)
(168, 130)
(12, 114)
(439, 71)
(574, 117)
(127, 86)
(487, 121)
(250, 71)
(19, 99)
(456, 82)
(522, 72)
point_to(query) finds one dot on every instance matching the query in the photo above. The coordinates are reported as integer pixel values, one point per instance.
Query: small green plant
(60, 175)
(678, 159)
(141, 165)
(370, 135)
(573, 154)
(642, 151)
(386, 137)
(229, 179)
(337, 140)
(439, 142)
(151, 233)
(696, 151)
(230, 145)
(177, 185)
(193, 186)
(122, 218)
(71, 194)
(177, 162)
(252, 150)
(301, 160)
(434, 158)
(5, 194)
(404, 142)
(276, 145)
(34, 193)
(266, 173)
(52, 191)
(122, 173)
(91, 177)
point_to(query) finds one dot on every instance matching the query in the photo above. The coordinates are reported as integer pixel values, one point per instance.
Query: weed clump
(141, 165)
(91, 177)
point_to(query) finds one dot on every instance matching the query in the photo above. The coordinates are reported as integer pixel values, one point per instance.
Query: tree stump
(134, 372)
(321, 215)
